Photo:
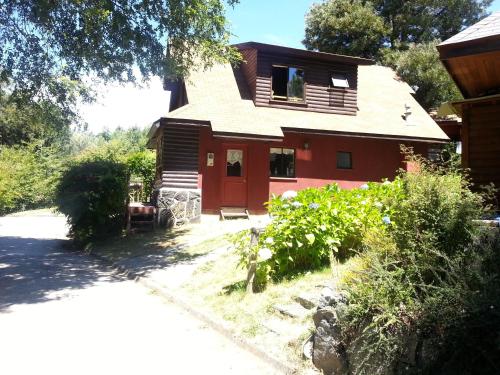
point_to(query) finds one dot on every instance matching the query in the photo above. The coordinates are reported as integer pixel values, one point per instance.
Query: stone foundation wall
(178, 206)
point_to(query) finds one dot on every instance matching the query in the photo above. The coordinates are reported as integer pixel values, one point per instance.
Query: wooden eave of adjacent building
(460, 105)
(474, 65)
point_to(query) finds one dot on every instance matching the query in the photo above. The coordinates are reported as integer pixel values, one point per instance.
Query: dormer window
(340, 80)
(288, 84)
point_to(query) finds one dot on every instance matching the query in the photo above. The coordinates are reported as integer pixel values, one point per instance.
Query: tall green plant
(417, 269)
(28, 175)
(93, 194)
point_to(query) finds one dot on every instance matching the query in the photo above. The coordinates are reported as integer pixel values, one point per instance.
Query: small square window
(434, 153)
(340, 80)
(344, 160)
(282, 162)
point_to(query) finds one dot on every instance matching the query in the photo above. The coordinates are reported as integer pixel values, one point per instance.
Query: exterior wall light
(306, 145)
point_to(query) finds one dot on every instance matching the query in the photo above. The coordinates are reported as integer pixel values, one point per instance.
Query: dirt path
(65, 313)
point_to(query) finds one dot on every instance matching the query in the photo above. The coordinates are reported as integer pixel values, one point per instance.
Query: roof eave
(324, 56)
(368, 135)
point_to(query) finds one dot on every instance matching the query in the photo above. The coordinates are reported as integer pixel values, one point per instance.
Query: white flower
(265, 254)
(386, 219)
(296, 204)
(386, 182)
(364, 187)
(286, 205)
(289, 194)
(314, 206)
(269, 240)
(379, 205)
(363, 202)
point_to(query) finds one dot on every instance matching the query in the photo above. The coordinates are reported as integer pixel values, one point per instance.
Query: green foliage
(424, 20)
(27, 176)
(420, 67)
(390, 24)
(308, 229)
(93, 194)
(415, 274)
(376, 29)
(345, 27)
(116, 145)
(141, 165)
(43, 40)
(27, 122)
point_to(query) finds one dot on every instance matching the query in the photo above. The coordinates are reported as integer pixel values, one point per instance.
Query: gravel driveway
(65, 313)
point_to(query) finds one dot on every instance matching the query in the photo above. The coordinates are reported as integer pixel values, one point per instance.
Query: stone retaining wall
(178, 206)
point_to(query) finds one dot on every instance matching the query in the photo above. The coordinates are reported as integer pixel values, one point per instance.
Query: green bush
(93, 194)
(310, 227)
(141, 165)
(420, 276)
(28, 175)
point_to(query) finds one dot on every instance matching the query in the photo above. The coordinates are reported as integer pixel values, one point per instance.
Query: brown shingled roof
(486, 28)
(215, 97)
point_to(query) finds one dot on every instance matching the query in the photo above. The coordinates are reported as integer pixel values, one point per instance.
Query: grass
(219, 286)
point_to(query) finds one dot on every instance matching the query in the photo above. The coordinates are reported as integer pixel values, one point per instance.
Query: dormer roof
(305, 54)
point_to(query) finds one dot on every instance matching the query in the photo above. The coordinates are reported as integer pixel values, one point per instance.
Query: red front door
(234, 176)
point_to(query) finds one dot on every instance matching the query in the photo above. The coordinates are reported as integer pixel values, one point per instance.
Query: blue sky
(276, 21)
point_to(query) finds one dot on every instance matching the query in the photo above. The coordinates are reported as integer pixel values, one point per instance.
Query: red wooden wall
(372, 160)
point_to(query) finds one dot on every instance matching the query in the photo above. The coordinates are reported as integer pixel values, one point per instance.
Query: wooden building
(285, 119)
(472, 58)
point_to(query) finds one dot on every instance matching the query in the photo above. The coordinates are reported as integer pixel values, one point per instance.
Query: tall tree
(406, 22)
(420, 67)
(345, 27)
(425, 20)
(42, 40)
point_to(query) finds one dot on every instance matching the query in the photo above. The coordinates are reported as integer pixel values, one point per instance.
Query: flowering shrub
(311, 226)
(427, 275)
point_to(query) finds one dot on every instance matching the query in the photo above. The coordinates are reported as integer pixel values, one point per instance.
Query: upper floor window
(340, 80)
(288, 83)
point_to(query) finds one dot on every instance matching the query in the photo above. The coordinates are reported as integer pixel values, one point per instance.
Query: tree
(420, 67)
(425, 20)
(399, 33)
(345, 27)
(25, 122)
(336, 25)
(43, 40)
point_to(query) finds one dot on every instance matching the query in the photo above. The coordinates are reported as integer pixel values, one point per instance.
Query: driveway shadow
(38, 270)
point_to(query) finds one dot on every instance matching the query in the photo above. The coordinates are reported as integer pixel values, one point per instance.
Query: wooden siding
(179, 152)
(483, 143)
(249, 69)
(320, 96)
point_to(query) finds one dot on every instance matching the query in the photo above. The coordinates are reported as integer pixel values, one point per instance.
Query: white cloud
(126, 106)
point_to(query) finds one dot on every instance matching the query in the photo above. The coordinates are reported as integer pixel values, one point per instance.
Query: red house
(285, 119)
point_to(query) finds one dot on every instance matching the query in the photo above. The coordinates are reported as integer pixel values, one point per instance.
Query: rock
(307, 347)
(308, 301)
(328, 350)
(292, 310)
(330, 297)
